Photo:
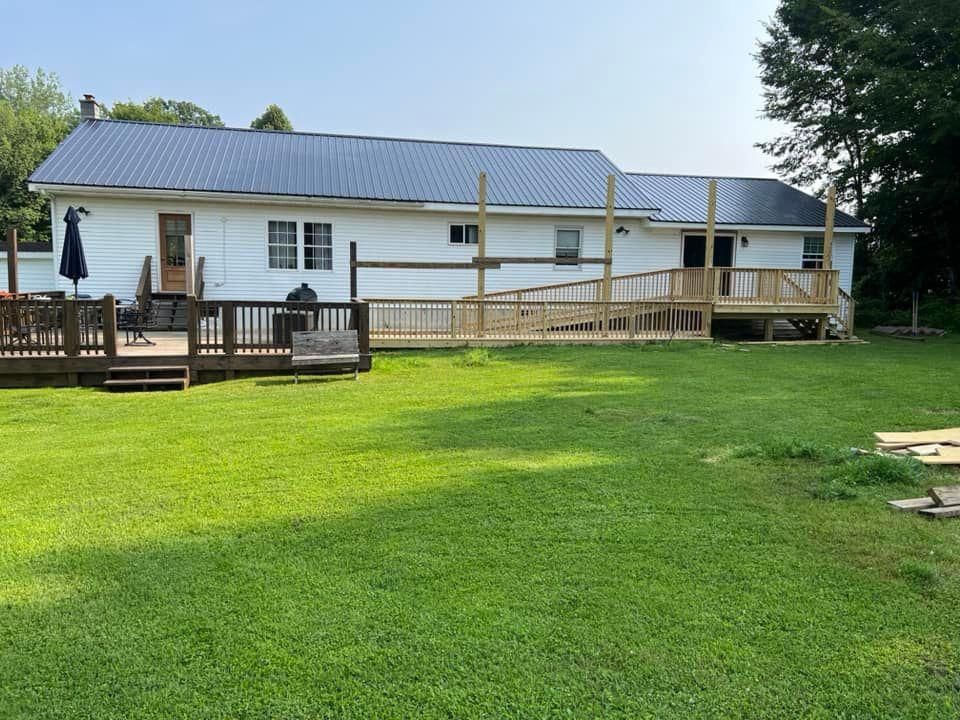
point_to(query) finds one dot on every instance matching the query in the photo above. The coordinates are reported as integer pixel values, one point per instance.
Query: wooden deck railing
(409, 321)
(775, 286)
(753, 286)
(38, 326)
(233, 327)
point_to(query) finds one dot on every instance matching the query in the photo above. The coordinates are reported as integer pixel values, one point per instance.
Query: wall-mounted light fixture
(744, 242)
(83, 211)
(622, 231)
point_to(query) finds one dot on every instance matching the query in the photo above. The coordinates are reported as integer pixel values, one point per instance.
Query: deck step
(145, 377)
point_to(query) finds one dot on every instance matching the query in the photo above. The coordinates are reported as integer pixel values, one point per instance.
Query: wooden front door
(175, 234)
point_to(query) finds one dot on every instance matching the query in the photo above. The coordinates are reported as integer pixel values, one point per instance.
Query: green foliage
(474, 357)
(870, 93)
(527, 540)
(273, 118)
(35, 114)
(162, 110)
(918, 573)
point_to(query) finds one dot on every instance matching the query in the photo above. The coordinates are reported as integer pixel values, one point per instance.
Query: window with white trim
(812, 253)
(317, 246)
(282, 244)
(567, 244)
(464, 234)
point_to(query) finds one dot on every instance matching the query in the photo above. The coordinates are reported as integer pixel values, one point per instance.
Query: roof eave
(266, 198)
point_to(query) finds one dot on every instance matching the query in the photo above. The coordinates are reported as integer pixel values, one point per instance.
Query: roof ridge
(704, 177)
(346, 135)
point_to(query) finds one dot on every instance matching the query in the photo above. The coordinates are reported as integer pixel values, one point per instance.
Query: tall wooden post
(109, 326)
(710, 237)
(193, 328)
(353, 270)
(481, 246)
(828, 228)
(608, 240)
(608, 250)
(12, 261)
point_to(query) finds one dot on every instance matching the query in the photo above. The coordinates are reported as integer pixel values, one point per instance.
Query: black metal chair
(136, 319)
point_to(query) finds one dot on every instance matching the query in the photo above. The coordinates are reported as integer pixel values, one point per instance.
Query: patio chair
(136, 319)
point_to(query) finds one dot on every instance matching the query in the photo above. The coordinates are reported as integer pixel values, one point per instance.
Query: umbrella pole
(75, 289)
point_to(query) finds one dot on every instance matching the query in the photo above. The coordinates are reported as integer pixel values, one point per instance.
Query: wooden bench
(316, 348)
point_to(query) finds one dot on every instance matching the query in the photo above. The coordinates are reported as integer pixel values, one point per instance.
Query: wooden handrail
(198, 278)
(145, 284)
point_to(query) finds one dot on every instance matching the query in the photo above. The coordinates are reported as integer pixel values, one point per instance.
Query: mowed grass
(530, 532)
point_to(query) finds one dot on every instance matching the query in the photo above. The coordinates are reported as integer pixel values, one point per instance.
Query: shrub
(474, 357)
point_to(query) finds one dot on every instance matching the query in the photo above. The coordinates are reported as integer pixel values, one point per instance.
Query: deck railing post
(109, 326)
(362, 312)
(71, 329)
(192, 325)
(229, 327)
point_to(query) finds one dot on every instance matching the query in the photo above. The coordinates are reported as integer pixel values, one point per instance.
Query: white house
(269, 210)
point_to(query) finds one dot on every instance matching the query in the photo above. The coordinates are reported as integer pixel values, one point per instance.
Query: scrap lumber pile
(941, 502)
(931, 447)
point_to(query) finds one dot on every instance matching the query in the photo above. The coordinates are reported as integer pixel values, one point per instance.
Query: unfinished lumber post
(768, 329)
(12, 285)
(608, 250)
(828, 228)
(481, 246)
(711, 231)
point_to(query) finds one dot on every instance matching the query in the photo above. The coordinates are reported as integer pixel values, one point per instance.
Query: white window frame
(556, 233)
(266, 228)
(812, 257)
(303, 239)
(299, 223)
(464, 226)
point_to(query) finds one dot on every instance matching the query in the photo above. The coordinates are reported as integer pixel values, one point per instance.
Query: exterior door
(695, 250)
(695, 254)
(175, 232)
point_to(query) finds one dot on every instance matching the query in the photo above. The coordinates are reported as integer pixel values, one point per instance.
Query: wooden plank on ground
(932, 449)
(913, 504)
(917, 438)
(947, 495)
(952, 459)
(941, 512)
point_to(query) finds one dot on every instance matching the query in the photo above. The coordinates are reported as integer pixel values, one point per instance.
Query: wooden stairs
(171, 310)
(148, 377)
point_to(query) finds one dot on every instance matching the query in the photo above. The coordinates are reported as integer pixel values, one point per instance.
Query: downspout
(223, 253)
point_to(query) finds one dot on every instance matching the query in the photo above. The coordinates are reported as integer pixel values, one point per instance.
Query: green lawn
(545, 532)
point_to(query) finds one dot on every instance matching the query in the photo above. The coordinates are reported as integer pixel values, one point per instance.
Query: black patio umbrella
(73, 264)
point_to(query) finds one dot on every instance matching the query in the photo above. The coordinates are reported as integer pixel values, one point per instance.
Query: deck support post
(109, 326)
(353, 270)
(828, 228)
(608, 250)
(821, 328)
(481, 246)
(711, 233)
(192, 325)
(768, 329)
(229, 328)
(12, 285)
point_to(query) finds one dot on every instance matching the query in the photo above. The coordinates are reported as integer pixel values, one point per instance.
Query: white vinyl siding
(232, 239)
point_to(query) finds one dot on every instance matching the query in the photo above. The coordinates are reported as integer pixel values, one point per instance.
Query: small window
(463, 234)
(317, 246)
(813, 253)
(568, 244)
(282, 244)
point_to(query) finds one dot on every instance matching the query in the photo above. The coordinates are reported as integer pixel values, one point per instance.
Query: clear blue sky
(659, 86)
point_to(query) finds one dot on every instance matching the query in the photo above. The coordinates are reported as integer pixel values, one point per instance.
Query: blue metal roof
(124, 154)
(740, 201)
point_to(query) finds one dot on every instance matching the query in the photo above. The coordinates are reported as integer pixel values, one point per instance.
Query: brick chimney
(89, 109)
